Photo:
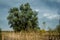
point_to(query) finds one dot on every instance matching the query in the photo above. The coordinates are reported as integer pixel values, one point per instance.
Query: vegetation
(23, 18)
(58, 28)
(24, 36)
(0, 34)
(44, 24)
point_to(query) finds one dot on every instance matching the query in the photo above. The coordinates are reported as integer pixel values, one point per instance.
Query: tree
(0, 34)
(23, 18)
(58, 28)
(44, 24)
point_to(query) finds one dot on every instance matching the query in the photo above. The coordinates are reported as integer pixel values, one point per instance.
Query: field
(7, 35)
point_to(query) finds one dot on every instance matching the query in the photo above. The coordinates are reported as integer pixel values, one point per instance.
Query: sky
(48, 11)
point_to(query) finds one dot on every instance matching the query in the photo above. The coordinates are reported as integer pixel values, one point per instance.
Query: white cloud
(37, 10)
(51, 16)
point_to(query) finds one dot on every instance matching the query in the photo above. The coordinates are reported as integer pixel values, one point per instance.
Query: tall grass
(28, 35)
(0, 34)
(23, 36)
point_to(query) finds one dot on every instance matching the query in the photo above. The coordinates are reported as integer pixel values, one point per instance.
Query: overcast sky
(48, 11)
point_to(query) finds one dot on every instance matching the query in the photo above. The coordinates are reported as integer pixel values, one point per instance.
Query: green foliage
(44, 24)
(23, 18)
(58, 28)
(0, 34)
(42, 31)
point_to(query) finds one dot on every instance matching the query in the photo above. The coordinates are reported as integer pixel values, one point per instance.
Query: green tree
(23, 18)
(58, 28)
(44, 25)
(0, 34)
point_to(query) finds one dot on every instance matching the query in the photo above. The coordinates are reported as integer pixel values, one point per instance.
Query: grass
(25, 35)
(0, 35)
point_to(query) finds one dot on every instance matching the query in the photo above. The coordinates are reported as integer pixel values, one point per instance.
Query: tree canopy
(23, 18)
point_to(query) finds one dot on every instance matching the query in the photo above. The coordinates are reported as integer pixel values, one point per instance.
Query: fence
(28, 36)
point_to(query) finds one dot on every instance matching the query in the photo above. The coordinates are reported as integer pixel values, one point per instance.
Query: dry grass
(24, 36)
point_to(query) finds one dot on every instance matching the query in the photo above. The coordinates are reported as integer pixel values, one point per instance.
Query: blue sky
(48, 11)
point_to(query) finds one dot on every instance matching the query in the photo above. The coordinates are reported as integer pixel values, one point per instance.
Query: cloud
(51, 16)
(54, 4)
(37, 10)
(47, 13)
